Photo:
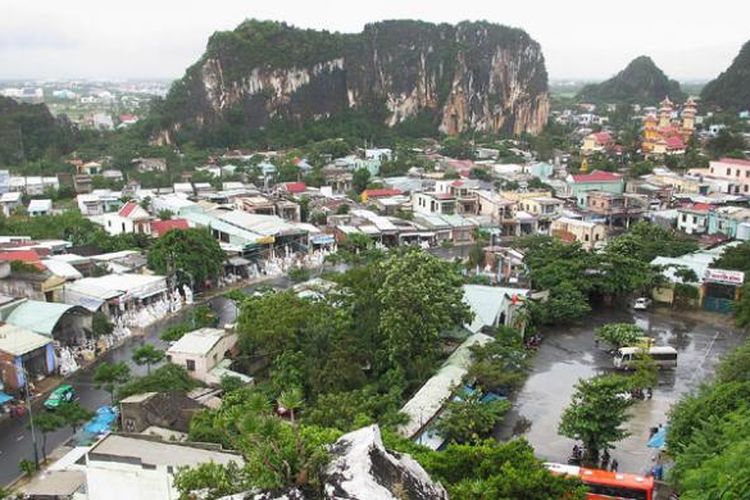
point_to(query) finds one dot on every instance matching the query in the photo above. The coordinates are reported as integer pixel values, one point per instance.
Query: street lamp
(28, 407)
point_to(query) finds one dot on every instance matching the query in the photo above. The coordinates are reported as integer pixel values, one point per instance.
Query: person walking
(615, 465)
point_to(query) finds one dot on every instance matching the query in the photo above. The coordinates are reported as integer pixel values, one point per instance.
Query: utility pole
(31, 416)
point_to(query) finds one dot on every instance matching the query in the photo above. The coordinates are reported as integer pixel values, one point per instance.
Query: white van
(664, 356)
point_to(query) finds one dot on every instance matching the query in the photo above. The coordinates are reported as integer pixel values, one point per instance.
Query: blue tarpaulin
(659, 439)
(102, 421)
(4, 398)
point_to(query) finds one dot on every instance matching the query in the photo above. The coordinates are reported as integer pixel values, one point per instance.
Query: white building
(202, 353)
(10, 202)
(131, 218)
(39, 207)
(125, 467)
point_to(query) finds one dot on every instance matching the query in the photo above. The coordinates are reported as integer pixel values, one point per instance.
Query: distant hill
(29, 132)
(731, 89)
(640, 82)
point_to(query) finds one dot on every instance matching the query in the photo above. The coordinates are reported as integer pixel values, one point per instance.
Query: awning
(4, 398)
(322, 239)
(238, 261)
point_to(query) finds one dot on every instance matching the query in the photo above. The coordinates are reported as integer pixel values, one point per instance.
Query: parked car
(641, 303)
(63, 394)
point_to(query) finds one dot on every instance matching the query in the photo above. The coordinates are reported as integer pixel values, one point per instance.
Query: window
(684, 217)
(695, 219)
(190, 365)
(123, 227)
(729, 171)
(586, 237)
(737, 172)
(745, 188)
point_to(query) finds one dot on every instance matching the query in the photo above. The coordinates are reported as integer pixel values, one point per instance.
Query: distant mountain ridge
(452, 78)
(731, 89)
(640, 82)
(29, 131)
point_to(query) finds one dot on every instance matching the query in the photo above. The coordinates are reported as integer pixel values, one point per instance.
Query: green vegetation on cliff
(640, 82)
(730, 89)
(29, 132)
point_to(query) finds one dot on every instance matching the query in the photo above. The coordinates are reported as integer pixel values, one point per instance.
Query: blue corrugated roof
(37, 316)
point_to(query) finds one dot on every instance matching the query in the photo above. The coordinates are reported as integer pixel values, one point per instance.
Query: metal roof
(37, 316)
(199, 341)
(487, 302)
(17, 341)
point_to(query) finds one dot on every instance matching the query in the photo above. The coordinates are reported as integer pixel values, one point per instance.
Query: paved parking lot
(569, 354)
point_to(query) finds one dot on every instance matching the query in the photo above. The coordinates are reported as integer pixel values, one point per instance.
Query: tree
(619, 334)
(491, 470)
(299, 274)
(596, 414)
(360, 178)
(109, 375)
(500, 365)
(73, 414)
(211, 479)
(471, 420)
(164, 214)
(736, 258)
(455, 147)
(45, 423)
(147, 355)
(101, 325)
(230, 383)
(169, 377)
(645, 241)
(191, 254)
(646, 371)
(420, 297)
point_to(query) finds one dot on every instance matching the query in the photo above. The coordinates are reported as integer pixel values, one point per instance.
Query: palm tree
(292, 401)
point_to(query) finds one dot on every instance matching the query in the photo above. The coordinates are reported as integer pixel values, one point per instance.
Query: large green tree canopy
(192, 254)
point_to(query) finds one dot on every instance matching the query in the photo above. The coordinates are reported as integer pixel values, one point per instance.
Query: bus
(663, 356)
(606, 485)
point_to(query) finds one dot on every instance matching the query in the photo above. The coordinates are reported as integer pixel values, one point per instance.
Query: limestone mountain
(731, 89)
(267, 76)
(29, 132)
(640, 82)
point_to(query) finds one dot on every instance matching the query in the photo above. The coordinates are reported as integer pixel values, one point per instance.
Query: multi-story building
(588, 234)
(693, 219)
(597, 180)
(617, 209)
(735, 172)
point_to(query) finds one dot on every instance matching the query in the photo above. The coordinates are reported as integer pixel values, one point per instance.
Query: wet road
(15, 437)
(569, 354)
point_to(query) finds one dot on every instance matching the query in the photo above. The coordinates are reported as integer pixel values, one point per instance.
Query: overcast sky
(158, 38)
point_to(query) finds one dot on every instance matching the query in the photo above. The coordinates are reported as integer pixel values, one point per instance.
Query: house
(29, 278)
(150, 164)
(372, 194)
(64, 323)
(24, 352)
(38, 208)
(131, 218)
(98, 202)
(161, 227)
(588, 234)
(693, 219)
(123, 467)
(202, 353)
(595, 181)
(545, 209)
(10, 202)
(165, 410)
(736, 172)
(597, 142)
(464, 190)
(727, 220)
(501, 211)
(616, 209)
(117, 295)
(494, 306)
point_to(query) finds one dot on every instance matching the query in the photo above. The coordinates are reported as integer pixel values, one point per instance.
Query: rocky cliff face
(477, 76)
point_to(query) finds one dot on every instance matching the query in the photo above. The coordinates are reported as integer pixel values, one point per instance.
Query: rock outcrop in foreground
(471, 76)
(362, 469)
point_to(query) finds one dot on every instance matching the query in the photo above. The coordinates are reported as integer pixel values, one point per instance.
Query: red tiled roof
(127, 209)
(674, 142)
(162, 227)
(702, 207)
(28, 256)
(295, 187)
(597, 176)
(382, 192)
(603, 137)
(735, 161)
(457, 183)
